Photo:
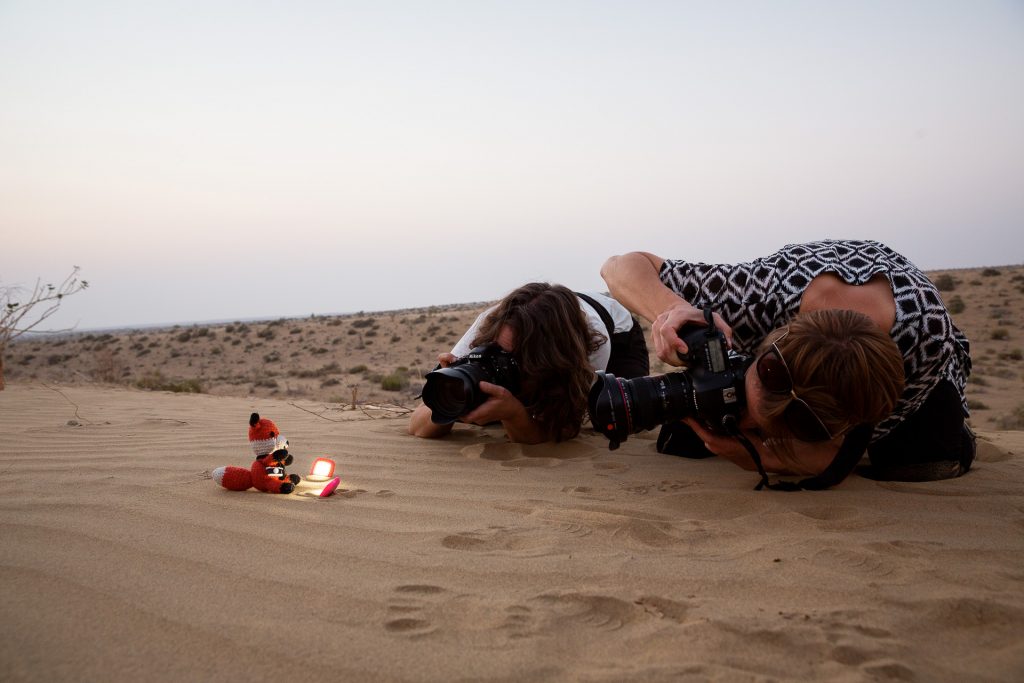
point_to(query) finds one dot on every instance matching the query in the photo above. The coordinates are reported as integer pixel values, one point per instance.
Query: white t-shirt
(599, 359)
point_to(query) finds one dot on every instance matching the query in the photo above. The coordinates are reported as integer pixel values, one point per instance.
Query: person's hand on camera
(727, 447)
(665, 330)
(446, 359)
(500, 405)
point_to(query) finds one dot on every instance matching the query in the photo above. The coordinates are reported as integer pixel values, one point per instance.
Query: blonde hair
(843, 366)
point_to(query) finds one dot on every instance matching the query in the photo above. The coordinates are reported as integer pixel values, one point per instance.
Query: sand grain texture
(473, 559)
(469, 558)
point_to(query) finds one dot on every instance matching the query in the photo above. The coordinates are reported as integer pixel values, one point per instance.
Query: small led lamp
(322, 469)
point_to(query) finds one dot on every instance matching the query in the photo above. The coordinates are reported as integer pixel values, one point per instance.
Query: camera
(455, 390)
(710, 389)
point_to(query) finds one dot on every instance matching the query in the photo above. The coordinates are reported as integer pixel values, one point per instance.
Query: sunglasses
(799, 417)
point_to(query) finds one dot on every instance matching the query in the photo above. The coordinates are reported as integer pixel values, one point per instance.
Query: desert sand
(470, 558)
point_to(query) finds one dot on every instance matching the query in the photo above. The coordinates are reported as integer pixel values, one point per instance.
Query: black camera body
(455, 390)
(711, 389)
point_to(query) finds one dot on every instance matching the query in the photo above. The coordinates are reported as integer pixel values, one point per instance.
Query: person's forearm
(634, 281)
(421, 425)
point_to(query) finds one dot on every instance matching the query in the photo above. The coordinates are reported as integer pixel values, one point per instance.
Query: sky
(217, 160)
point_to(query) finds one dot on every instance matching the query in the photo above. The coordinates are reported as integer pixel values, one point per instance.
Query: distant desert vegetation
(351, 361)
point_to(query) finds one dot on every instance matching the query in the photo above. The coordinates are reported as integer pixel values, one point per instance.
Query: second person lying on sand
(556, 340)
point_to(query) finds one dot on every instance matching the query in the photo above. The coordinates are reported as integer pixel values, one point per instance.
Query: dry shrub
(944, 282)
(396, 381)
(106, 367)
(1013, 421)
(155, 381)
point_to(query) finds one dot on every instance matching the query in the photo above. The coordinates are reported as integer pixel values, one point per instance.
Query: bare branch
(20, 316)
(50, 297)
(320, 415)
(69, 401)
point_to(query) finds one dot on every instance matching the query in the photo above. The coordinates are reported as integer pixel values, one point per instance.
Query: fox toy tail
(266, 474)
(233, 478)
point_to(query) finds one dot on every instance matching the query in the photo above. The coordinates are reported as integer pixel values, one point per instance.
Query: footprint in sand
(520, 621)
(663, 608)
(498, 539)
(845, 518)
(862, 645)
(665, 486)
(1000, 619)
(852, 560)
(528, 455)
(554, 612)
(634, 528)
(601, 612)
(844, 637)
(339, 493)
(611, 466)
(418, 610)
(890, 671)
(408, 608)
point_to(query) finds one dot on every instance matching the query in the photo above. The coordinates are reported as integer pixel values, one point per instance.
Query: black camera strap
(850, 452)
(846, 458)
(606, 317)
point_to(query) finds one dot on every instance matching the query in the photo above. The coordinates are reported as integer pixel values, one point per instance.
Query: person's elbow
(429, 431)
(418, 429)
(421, 425)
(611, 273)
(611, 265)
(617, 264)
(619, 270)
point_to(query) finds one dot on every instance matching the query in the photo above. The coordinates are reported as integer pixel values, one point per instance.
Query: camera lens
(620, 407)
(452, 392)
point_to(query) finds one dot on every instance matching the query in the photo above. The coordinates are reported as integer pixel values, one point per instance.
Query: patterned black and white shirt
(760, 296)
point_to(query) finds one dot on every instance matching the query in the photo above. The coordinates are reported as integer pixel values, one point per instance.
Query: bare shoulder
(874, 298)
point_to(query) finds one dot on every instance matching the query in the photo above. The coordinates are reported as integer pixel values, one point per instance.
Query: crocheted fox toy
(267, 471)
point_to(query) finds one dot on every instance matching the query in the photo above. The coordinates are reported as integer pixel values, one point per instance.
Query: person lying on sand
(558, 339)
(851, 342)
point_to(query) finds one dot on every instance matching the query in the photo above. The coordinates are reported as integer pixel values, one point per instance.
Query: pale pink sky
(223, 160)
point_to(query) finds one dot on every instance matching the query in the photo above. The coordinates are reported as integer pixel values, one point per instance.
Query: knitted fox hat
(263, 435)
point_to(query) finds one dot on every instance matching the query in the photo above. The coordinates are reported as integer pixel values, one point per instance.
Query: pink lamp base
(329, 488)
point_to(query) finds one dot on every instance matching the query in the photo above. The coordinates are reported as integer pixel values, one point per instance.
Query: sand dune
(471, 558)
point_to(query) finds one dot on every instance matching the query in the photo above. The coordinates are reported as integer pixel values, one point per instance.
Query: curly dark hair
(553, 342)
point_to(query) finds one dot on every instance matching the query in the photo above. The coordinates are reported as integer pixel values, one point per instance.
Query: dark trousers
(629, 357)
(933, 443)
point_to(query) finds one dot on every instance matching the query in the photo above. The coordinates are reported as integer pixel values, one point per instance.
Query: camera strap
(850, 452)
(605, 316)
(846, 458)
